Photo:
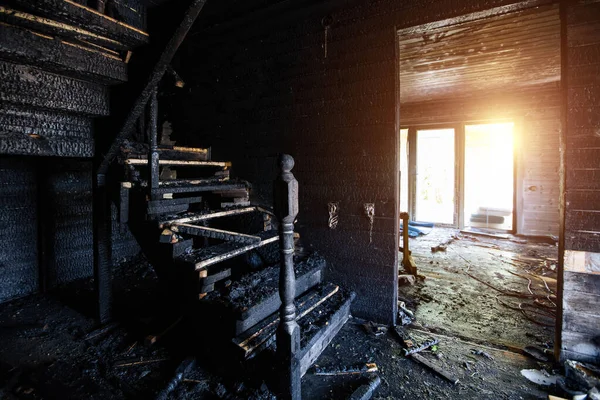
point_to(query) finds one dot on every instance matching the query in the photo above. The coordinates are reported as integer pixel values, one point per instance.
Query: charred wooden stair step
(201, 185)
(140, 151)
(214, 233)
(180, 163)
(203, 257)
(165, 206)
(255, 296)
(326, 306)
(207, 216)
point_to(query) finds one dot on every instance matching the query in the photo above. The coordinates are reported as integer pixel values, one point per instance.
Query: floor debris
(445, 374)
(365, 392)
(539, 377)
(346, 370)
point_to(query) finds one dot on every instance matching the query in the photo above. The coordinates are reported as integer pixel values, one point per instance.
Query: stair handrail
(288, 333)
(155, 77)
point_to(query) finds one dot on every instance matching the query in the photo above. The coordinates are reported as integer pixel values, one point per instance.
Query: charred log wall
(581, 292)
(47, 215)
(318, 83)
(19, 234)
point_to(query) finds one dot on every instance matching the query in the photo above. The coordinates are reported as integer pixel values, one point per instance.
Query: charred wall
(54, 83)
(317, 82)
(47, 219)
(581, 292)
(19, 234)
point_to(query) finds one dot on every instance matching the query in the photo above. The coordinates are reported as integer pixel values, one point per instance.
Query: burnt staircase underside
(215, 249)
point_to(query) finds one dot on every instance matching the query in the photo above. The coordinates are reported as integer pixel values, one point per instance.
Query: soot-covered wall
(317, 82)
(581, 291)
(47, 207)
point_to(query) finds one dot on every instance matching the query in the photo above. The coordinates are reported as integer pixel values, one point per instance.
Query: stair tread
(189, 163)
(205, 231)
(255, 295)
(252, 288)
(312, 309)
(196, 217)
(200, 185)
(140, 151)
(206, 256)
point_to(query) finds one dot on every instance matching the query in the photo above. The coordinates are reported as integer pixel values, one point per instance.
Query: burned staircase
(211, 247)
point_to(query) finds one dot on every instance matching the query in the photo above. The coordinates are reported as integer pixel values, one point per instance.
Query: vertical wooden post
(102, 248)
(152, 129)
(288, 333)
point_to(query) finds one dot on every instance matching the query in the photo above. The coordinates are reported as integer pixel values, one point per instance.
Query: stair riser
(261, 311)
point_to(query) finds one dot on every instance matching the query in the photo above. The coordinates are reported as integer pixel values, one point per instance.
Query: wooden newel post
(288, 334)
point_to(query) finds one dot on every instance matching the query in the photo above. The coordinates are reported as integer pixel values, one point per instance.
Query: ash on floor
(499, 291)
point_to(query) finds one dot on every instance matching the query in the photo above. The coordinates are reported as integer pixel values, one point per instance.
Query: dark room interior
(300, 199)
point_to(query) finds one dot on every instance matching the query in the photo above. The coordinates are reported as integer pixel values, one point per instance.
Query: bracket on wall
(334, 213)
(370, 212)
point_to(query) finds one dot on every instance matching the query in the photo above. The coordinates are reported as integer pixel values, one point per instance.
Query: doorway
(489, 176)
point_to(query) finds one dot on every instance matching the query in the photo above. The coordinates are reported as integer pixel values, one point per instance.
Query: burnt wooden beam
(102, 249)
(33, 87)
(288, 333)
(55, 55)
(185, 163)
(55, 28)
(207, 216)
(155, 76)
(72, 13)
(214, 233)
(206, 256)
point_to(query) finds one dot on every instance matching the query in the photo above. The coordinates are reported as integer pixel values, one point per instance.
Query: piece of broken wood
(350, 370)
(414, 350)
(365, 392)
(139, 362)
(151, 339)
(446, 375)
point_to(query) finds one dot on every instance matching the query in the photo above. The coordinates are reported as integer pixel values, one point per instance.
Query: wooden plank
(180, 200)
(429, 364)
(208, 216)
(214, 233)
(67, 58)
(56, 28)
(584, 220)
(189, 163)
(214, 277)
(582, 282)
(582, 347)
(198, 186)
(168, 209)
(202, 258)
(581, 322)
(71, 13)
(581, 302)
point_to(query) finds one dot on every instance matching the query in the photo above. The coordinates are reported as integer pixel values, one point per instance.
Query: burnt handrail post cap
(286, 163)
(286, 190)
